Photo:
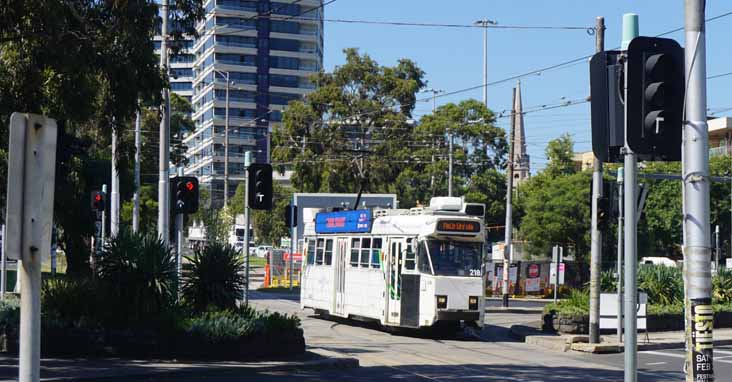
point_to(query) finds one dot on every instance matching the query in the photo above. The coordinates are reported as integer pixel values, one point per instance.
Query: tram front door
(393, 280)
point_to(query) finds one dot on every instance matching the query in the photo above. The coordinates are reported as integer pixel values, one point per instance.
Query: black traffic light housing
(655, 101)
(185, 194)
(606, 105)
(290, 220)
(260, 186)
(98, 201)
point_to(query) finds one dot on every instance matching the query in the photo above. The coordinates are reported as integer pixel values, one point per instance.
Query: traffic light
(260, 186)
(606, 105)
(98, 201)
(186, 194)
(655, 98)
(289, 222)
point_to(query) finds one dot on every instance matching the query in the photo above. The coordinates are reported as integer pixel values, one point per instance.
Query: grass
(257, 262)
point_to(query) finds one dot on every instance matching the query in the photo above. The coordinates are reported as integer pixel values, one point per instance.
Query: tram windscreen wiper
(455, 258)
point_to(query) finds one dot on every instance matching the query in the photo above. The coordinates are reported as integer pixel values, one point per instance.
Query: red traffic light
(190, 186)
(98, 197)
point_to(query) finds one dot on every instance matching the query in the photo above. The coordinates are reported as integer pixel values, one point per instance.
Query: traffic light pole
(630, 31)
(596, 250)
(104, 216)
(164, 147)
(247, 162)
(695, 173)
(179, 244)
(620, 255)
(136, 195)
(509, 206)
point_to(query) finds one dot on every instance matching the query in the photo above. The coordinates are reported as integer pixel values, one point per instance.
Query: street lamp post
(485, 23)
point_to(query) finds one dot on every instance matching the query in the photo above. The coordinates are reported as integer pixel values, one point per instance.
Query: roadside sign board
(553, 273)
(533, 270)
(31, 175)
(609, 311)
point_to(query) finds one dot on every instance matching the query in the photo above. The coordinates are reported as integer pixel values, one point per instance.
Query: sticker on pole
(702, 341)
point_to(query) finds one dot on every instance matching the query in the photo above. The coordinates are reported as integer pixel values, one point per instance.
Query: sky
(453, 57)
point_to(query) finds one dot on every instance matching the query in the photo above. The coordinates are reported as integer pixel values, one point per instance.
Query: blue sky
(452, 58)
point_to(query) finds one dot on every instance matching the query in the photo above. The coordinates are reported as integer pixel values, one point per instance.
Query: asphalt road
(423, 357)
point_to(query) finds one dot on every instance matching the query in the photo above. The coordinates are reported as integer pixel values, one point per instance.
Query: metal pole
(114, 200)
(29, 273)
(630, 182)
(509, 206)
(485, 63)
(247, 162)
(596, 235)
(226, 146)
(136, 195)
(449, 169)
(3, 267)
(164, 150)
(620, 255)
(179, 244)
(555, 257)
(716, 246)
(292, 253)
(697, 262)
(104, 217)
(293, 234)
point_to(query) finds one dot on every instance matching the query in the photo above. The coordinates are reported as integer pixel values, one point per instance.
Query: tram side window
(328, 251)
(375, 252)
(365, 248)
(311, 252)
(409, 257)
(424, 262)
(319, 252)
(355, 251)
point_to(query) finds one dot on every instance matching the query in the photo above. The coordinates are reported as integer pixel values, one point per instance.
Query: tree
(367, 107)
(269, 226)
(560, 152)
(86, 64)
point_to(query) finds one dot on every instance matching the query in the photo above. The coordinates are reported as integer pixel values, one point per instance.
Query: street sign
(553, 273)
(31, 175)
(609, 311)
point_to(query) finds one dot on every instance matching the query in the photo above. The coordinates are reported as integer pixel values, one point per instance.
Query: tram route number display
(458, 226)
(702, 318)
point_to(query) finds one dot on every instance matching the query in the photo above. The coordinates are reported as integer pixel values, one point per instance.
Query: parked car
(262, 250)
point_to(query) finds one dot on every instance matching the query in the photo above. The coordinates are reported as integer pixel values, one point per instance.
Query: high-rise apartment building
(268, 50)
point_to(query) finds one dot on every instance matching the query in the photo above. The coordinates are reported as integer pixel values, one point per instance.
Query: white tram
(407, 268)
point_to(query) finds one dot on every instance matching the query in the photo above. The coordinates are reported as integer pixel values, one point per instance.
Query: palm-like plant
(722, 286)
(139, 273)
(664, 285)
(216, 277)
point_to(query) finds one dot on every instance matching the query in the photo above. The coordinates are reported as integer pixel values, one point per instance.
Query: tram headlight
(441, 302)
(473, 303)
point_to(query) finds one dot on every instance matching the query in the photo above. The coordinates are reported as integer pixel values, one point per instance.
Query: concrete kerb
(329, 360)
(514, 310)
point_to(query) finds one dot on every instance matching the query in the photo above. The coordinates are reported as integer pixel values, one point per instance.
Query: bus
(409, 268)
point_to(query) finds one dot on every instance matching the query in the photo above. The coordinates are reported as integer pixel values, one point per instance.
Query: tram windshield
(452, 258)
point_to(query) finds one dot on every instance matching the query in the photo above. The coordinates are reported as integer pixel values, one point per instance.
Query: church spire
(521, 163)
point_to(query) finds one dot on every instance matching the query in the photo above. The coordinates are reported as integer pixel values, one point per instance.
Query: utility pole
(114, 200)
(226, 145)
(247, 162)
(509, 207)
(164, 153)
(434, 109)
(136, 195)
(716, 250)
(620, 255)
(695, 159)
(485, 23)
(630, 31)
(179, 244)
(104, 217)
(596, 250)
(449, 168)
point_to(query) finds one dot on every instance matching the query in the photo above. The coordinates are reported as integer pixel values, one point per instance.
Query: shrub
(577, 302)
(9, 313)
(664, 285)
(216, 327)
(722, 286)
(216, 278)
(608, 282)
(70, 302)
(138, 276)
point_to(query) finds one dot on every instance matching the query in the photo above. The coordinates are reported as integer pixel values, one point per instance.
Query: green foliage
(148, 209)
(9, 313)
(577, 302)
(560, 153)
(664, 285)
(229, 325)
(555, 211)
(215, 279)
(608, 282)
(71, 302)
(139, 273)
(722, 286)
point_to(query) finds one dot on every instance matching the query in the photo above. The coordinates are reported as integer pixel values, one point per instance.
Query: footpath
(115, 369)
(530, 334)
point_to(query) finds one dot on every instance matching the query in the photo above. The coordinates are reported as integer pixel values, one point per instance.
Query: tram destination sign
(458, 226)
(357, 221)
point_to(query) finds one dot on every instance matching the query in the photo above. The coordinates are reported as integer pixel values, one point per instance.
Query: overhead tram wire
(551, 67)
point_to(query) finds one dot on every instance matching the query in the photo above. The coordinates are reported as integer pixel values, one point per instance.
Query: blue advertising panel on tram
(358, 221)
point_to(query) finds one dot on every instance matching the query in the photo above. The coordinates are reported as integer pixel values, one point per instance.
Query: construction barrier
(277, 271)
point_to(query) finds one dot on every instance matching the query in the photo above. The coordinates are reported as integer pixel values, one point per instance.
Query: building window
(179, 86)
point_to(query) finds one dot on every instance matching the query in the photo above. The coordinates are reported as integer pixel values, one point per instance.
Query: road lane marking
(656, 363)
